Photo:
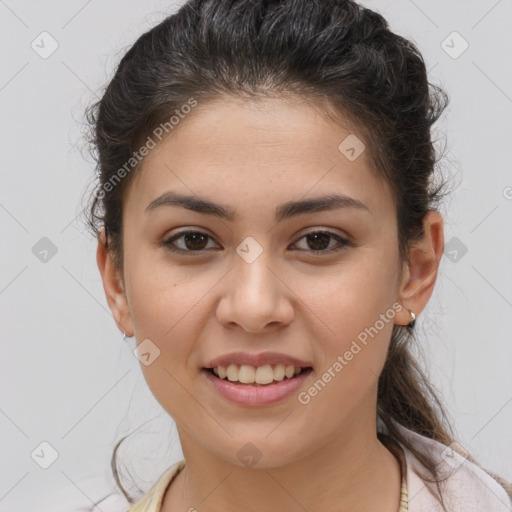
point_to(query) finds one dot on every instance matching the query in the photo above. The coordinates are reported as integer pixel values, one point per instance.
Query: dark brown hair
(334, 53)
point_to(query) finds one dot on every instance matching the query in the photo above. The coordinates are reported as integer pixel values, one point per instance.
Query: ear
(114, 287)
(420, 271)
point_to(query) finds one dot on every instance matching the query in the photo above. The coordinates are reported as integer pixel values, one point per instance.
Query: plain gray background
(67, 377)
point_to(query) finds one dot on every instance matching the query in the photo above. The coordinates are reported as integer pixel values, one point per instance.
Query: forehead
(285, 148)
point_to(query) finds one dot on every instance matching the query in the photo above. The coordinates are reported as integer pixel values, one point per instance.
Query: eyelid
(325, 229)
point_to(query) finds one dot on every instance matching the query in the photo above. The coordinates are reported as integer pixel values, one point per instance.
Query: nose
(255, 297)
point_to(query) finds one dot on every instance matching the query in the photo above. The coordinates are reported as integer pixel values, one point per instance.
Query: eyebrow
(283, 212)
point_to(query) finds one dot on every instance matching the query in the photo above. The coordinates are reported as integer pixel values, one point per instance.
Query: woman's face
(252, 283)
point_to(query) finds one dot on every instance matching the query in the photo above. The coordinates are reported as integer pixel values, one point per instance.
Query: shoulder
(466, 487)
(152, 500)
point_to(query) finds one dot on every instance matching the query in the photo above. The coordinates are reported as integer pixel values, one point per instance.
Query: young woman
(268, 232)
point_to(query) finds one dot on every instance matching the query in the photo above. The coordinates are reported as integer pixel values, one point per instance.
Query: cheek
(165, 310)
(355, 306)
(163, 295)
(169, 316)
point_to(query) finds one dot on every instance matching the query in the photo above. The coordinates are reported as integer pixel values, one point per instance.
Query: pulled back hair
(334, 53)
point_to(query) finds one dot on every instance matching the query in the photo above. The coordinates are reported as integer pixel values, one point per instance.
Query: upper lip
(260, 359)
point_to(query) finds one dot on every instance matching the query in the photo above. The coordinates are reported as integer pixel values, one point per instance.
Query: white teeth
(232, 372)
(247, 374)
(279, 370)
(265, 374)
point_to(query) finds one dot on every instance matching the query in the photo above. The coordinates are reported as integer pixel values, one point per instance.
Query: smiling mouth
(262, 376)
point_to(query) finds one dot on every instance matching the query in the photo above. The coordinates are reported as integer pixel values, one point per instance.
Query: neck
(357, 475)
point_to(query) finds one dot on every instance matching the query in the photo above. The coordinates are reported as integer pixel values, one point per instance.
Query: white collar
(468, 488)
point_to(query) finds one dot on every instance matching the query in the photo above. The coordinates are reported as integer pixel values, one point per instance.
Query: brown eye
(318, 242)
(191, 241)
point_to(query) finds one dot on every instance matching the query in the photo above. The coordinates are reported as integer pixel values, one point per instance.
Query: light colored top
(468, 488)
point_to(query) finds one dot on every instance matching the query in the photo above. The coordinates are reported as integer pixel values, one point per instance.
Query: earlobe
(420, 272)
(113, 287)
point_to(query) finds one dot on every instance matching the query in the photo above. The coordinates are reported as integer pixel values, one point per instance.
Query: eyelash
(342, 241)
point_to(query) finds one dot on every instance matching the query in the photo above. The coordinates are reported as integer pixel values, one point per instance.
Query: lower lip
(252, 395)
